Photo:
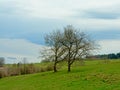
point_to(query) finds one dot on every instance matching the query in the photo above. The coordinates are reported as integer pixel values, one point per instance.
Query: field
(94, 75)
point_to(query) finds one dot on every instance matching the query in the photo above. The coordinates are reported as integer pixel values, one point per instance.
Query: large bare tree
(77, 44)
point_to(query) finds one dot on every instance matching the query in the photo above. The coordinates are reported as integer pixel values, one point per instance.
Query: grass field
(95, 75)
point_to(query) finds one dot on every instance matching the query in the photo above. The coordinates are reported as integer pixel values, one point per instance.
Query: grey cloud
(94, 14)
(102, 15)
(99, 13)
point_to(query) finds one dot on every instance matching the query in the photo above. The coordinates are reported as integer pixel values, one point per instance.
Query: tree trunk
(69, 67)
(55, 68)
(69, 61)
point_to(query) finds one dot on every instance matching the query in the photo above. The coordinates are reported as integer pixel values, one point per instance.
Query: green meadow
(94, 75)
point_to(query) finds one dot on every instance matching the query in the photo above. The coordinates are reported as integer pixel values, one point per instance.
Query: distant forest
(106, 56)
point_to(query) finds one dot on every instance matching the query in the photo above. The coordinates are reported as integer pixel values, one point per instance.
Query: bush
(49, 68)
(3, 72)
(15, 69)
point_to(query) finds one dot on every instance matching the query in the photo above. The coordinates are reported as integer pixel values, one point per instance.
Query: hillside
(95, 75)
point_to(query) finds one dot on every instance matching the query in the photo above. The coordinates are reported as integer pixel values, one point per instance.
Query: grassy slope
(94, 76)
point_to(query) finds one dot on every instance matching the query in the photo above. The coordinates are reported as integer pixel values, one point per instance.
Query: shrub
(3, 72)
(21, 69)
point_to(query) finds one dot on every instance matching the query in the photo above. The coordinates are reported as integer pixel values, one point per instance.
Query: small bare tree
(55, 50)
(2, 61)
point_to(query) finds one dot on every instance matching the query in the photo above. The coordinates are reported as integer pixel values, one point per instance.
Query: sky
(23, 24)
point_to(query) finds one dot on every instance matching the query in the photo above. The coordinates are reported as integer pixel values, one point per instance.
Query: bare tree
(2, 61)
(69, 45)
(77, 44)
(24, 63)
(55, 50)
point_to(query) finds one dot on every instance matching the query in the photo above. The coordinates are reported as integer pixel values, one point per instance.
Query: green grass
(95, 75)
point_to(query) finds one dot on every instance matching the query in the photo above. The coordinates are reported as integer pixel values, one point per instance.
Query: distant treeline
(106, 56)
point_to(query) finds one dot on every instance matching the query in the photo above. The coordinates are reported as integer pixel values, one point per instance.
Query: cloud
(90, 24)
(105, 12)
(30, 29)
(109, 46)
(52, 8)
(20, 48)
(35, 8)
(67, 11)
(14, 50)
(105, 34)
(29, 20)
(102, 15)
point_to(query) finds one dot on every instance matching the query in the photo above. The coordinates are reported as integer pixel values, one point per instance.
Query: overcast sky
(23, 23)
